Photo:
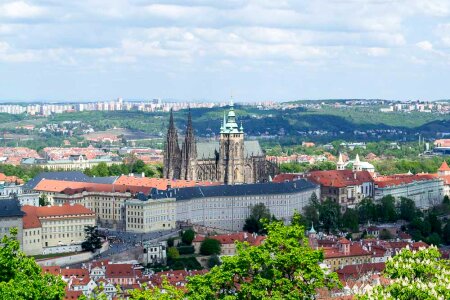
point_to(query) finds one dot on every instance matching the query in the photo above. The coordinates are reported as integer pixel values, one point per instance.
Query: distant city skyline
(196, 49)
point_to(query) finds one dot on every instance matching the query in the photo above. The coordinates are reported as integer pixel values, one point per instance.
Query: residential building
(346, 187)
(425, 190)
(228, 241)
(345, 253)
(11, 217)
(146, 215)
(154, 252)
(14, 190)
(55, 229)
(444, 174)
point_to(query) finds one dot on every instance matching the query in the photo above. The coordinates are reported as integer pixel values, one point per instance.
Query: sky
(252, 50)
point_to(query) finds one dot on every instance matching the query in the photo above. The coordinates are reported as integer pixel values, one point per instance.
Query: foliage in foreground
(415, 275)
(21, 277)
(283, 267)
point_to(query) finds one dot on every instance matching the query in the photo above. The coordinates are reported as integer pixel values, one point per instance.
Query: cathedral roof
(207, 150)
(235, 190)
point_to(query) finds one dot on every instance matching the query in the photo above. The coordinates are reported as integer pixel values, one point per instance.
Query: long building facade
(231, 160)
(227, 207)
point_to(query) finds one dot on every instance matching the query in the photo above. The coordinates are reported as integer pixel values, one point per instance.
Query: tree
(407, 209)
(350, 220)
(446, 233)
(446, 200)
(385, 234)
(253, 223)
(311, 211)
(283, 267)
(330, 215)
(170, 242)
(367, 211)
(435, 224)
(210, 247)
(93, 240)
(188, 236)
(415, 275)
(386, 209)
(434, 239)
(213, 261)
(172, 253)
(21, 277)
(43, 200)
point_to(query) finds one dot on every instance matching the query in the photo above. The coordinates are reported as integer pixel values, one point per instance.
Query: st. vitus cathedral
(230, 160)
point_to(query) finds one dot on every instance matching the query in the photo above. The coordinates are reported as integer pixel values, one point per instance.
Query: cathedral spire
(171, 123)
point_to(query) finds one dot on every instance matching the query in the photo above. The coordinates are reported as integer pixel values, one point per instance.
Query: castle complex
(231, 160)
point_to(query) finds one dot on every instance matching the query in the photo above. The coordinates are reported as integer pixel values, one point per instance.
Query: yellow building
(60, 227)
(345, 253)
(150, 215)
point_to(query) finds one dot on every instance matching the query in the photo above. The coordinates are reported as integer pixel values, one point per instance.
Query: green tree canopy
(283, 267)
(93, 240)
(188, 236)
(173, 253)
(407, 209)
(209, 247)
(350, 220)
(254, 223)
(21, 277)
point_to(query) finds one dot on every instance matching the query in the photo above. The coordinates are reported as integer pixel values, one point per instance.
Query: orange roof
(54, 270)
(401, 179)
(79, 273)
(72, 295)
(33, 213)
(160, 183)
(444, 167)
(232, 237)
(339, 178)
(355, 250)
(122, 271)
(11, 179)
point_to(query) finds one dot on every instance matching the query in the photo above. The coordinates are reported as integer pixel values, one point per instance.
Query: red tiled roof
(355, 250)
(339, 178)
(401, 179)
(358, 270)
(74, 187)
(72, 295)
(232, 237)
(54, 270)
(79, 273)
(159, 183)
(122, 271)
(283, 177)
(33, 213)
(444, 167)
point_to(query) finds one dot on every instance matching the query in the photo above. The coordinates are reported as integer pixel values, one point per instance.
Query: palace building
(230, 160)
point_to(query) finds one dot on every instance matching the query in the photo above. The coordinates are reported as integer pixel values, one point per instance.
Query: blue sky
(208, 49)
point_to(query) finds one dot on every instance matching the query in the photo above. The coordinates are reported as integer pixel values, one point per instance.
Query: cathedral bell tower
(172, 153)
(231, 149)
(189, 153)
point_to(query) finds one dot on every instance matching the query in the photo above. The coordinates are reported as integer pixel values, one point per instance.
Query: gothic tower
(231, 158)
(189, 153)
(172, 153)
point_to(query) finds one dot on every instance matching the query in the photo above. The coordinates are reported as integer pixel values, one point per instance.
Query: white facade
(229, 213)
(424, 193)
(150, 215)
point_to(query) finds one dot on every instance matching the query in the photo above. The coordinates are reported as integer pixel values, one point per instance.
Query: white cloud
(425, 45)
(20, 10)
